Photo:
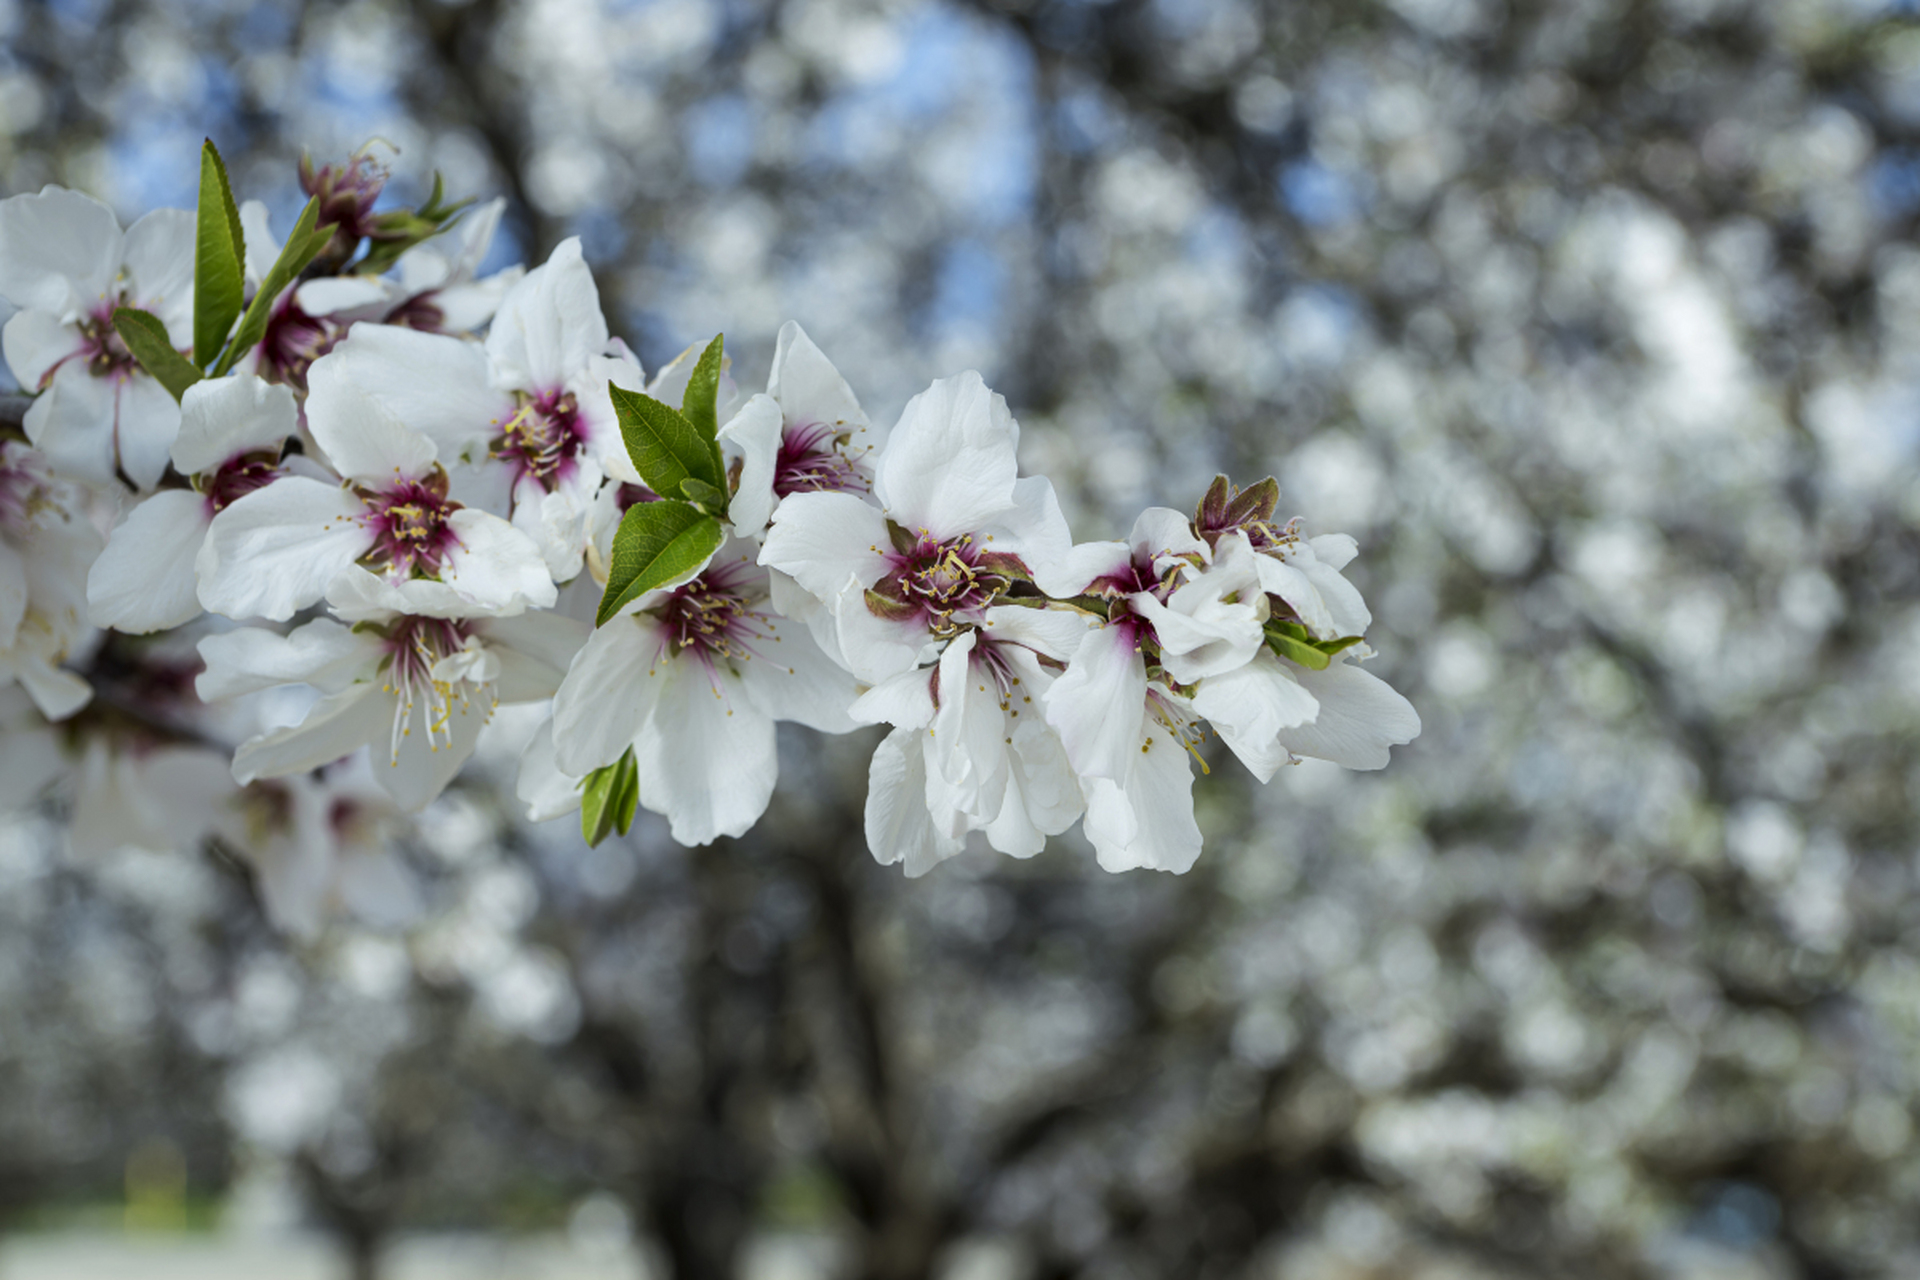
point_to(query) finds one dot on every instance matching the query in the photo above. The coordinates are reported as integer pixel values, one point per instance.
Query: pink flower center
(543, 439)
(106, 355)
(239, 476)
(414, 647)
(411, 537)
(942, 585)
(712, 618)
(812, 460)
(293, 341)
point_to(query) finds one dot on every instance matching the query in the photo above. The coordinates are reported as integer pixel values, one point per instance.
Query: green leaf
(219, 250)
(1291, 640)
(608, 799)
(1299, 651)
(303, 244)
(704, 496)
(147, 339)
(703, 390)
(664, 446)
(658, 543)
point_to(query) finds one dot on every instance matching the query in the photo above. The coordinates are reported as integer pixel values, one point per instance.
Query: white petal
(789, 678)
(755, 432)
(1055, 631)
(339, 724)
(549, 324)
(534, 651)
(159, 262)
(820, 539)
(144, 580)
(1043, 796)
(1360, 716)
(1100, 705)
(148, 422)
(810, 389)
(363, 438)
(58, 693)
(35, 343)
(72, 422)
(342, 296)
(495, 565)
(609, 692)
(898, 826)
(59, 250)
(542, 786)
(1034, 530)
(949, 465)
(706, 761)
(872, 647)
(1335, 550)
(1250, 706)
(1156, 828)
(223, 418)
(1292, 585)
(1350, 616)
(275, 550)
(322, 653)
(561, 522)
(435, 384)
(601, 425)
(1088, 562)
(257, 230)
(905, 701)
(1161, 533)
(969, 742)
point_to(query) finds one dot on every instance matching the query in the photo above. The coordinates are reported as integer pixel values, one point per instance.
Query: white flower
(231, 433)
(418, 687)
(692, 680)
(806, 434)
(142, 796)
(67, 265)
(318, 843)
(971, 749)
(278, 549)
(46, 544)
(529, 411)
(956, 527)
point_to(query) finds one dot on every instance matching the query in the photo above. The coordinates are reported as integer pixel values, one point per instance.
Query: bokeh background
(1596, 321)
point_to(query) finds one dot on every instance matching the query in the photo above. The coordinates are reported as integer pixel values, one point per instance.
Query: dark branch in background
(13, 410)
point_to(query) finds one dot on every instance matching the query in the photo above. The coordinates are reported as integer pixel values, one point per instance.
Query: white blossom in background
(65, 262)
(319, 843)
(46, 545)
(692, 679)
(415, 688)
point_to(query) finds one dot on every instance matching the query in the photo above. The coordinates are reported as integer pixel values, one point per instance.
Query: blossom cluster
(352, 463)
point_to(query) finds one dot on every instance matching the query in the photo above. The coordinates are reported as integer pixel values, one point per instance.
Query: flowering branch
(435, 494)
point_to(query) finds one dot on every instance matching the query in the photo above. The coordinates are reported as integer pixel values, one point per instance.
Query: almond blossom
(417, 687)
(805, 434)
(46, 544)
(955, 527)
(692, 679)
(65, 262)
(279, 548)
